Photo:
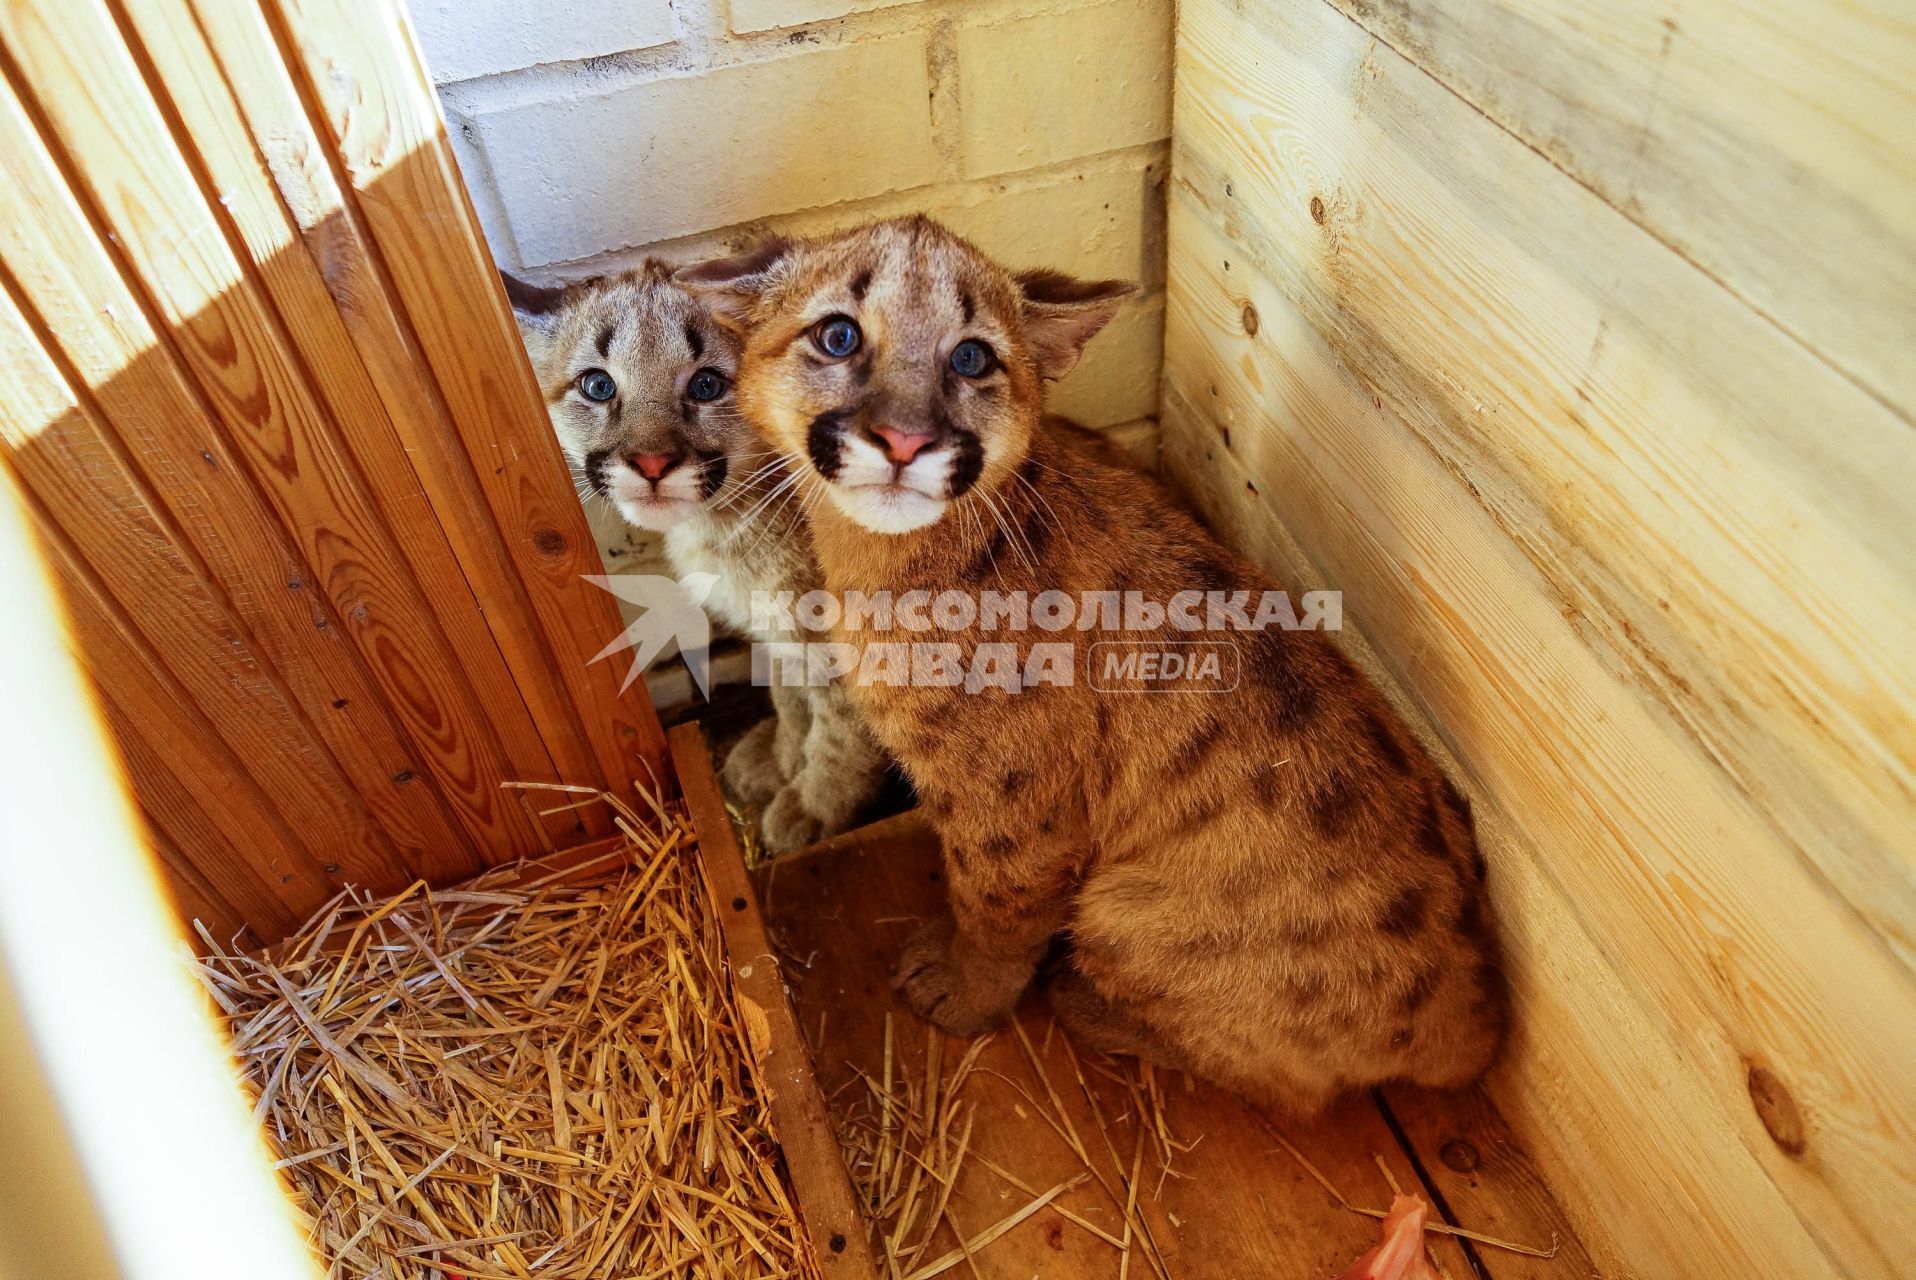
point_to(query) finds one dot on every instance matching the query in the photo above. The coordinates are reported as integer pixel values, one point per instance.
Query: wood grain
(1767, 144)
(1609, 540)
(443, 496)
(135, 179)
(1487, 1182)
(451, 626)
(147, 596)
(1657, 451)
(1631, 826)
(1236, 1205)
(271, 408)
(784, 1067)
(355, 60)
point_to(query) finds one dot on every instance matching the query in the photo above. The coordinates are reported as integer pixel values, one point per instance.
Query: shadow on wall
(319, 551)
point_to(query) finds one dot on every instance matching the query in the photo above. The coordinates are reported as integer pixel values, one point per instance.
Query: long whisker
(745, 521)
(1010, 538)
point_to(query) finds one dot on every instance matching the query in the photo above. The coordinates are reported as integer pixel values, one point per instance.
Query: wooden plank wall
(1577, 345)
(266, 400)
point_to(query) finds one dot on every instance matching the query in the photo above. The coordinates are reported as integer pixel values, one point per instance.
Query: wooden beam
(783, 1066)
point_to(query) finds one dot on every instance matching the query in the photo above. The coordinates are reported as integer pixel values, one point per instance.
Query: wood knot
(549, 542)
(837, 1242)
(1778, 1111)
(1317, 210)
(1459, 1155)
(1249, 317)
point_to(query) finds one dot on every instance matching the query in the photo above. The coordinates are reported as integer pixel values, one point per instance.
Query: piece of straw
(539, 1072)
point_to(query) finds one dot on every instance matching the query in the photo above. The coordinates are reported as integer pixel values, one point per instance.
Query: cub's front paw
(751, 772)
(945, 983)
(786, 825)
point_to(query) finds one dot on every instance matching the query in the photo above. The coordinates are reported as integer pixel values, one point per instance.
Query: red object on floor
(1400, 1254)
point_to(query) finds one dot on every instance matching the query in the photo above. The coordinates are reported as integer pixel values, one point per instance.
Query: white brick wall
(762, 15)
(585, 172)
(1044, 88)
(595, 132)
(467, 38)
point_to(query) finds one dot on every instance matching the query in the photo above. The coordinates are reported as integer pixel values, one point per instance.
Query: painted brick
(764, 15)
(1092, 222)
(586, 174)
(466, 38)
(1117, 380)
(1043, 89)
(1089, 223)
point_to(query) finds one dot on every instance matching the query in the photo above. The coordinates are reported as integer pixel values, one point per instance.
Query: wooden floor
(1234, 1206)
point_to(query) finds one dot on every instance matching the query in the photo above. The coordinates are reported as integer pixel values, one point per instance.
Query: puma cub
(1272, 887)
(638, 382)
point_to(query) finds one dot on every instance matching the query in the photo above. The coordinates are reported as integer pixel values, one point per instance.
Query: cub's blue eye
(972, 358)
(837, 336)
(597, 386)
(706, 384)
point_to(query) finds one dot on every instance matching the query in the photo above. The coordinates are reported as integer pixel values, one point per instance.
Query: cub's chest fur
(769, 555)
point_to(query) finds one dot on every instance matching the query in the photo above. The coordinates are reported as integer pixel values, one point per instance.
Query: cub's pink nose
(903, 446)
(651, 465)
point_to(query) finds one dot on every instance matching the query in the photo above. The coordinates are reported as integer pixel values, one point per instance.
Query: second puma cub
(638, 383)
(1273, 887)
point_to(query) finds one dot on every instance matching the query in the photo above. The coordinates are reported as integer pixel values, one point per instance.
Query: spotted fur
(1274, 888)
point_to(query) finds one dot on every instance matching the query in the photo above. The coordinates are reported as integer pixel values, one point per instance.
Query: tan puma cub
(1273, 887)
(638, 382)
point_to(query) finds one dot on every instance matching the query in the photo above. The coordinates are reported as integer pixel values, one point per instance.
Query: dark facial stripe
(860, 283)
(694, 341)
(595, 468)
(825, 443)
(713, 467)
(967, 463)
(966, 305)
(605, 339)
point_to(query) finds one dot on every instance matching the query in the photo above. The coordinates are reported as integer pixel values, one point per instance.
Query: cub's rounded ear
(1062, 313)
(535, 300)
(733, 287)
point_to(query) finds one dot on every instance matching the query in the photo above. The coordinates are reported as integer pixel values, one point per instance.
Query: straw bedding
(526, 1075)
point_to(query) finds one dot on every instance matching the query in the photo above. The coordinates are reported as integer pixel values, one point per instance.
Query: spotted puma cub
(638, 381)
(1274, 886)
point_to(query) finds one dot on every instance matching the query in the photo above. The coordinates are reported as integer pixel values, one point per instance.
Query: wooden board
(399, 167)
(783, 1067)
(1236, 1204)
(1767, 144)
(1555, 466)
(300, 474)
